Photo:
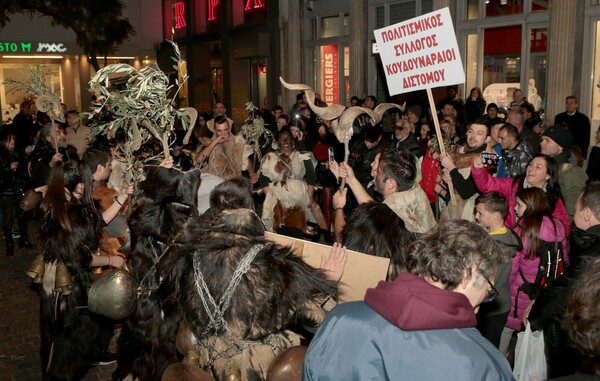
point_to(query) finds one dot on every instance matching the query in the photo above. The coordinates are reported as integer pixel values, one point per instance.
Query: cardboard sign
(362, 271)
(420, 53)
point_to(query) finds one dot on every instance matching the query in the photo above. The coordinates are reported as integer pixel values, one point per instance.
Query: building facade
(232, 52)
(29, 41)
(236, 50)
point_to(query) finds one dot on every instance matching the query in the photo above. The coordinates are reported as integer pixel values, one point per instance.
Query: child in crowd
(490, 211)
(538, 230)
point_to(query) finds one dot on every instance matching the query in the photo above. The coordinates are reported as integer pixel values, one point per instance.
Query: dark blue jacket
(356, 343)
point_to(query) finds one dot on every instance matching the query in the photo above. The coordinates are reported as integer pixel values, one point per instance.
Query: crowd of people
(488, 227)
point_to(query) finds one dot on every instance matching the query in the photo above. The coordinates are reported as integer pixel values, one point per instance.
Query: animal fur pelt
(462, 209)
(227, 160)
(276, 286)
(288, 193)
(166, 202)
(69, 335)
(413, 207)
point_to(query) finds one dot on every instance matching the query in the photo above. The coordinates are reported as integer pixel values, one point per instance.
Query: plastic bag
(530, 360)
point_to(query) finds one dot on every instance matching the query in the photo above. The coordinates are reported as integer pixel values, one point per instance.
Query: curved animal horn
(328, 112)
(383, 107)
(193, 114)
(294, 86)
(347, 118)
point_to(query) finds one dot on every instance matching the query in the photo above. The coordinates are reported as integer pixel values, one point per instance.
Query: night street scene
(246, 190)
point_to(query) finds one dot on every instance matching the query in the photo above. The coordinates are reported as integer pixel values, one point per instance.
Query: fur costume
(413, 207)
(286, 203)
(241, 335)
(69, 335)
(167, 202)
(227, 160)
(463, 209)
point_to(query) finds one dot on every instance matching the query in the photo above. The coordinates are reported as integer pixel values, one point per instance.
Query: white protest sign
(420, 53)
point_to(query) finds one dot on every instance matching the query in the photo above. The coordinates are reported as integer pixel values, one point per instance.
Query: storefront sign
(420, 53)
(251, 5)
(329, 70)
(180, 15)
(32, 47)
(212, 5)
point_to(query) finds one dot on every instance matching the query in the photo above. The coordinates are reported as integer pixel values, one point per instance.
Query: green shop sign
(32, 47)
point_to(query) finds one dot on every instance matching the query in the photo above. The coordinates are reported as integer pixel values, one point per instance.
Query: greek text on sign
(420, 53)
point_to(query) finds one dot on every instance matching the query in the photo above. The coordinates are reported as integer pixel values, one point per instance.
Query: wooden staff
(346, 155)
(440, 139)
(54, 136)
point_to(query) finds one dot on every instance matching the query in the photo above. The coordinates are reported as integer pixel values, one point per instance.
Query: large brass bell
(36, 269)
(185, 372)
(288, 365)
(113, 295)
(62, 282)
(233, 376)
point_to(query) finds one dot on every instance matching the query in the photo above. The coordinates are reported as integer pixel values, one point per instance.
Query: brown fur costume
(463, 209)
(286, 203)
(276, 286)
(167, 202)
(227, 160)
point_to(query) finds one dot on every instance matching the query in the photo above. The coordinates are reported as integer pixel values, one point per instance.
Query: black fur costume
(71, 334)
(277, 286)
(167, 201)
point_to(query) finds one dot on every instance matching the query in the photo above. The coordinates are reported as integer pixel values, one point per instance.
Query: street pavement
(19, 319)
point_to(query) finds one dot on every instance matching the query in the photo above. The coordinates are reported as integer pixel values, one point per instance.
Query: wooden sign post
(421, 53)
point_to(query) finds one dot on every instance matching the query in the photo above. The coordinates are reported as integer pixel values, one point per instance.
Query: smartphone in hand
(490, 159)
(331, 155)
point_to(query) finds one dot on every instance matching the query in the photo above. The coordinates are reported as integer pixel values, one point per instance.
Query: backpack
(552, 266)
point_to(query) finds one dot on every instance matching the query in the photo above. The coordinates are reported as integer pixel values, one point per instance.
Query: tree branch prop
(137, 103)
(45, 100)
(254, 132)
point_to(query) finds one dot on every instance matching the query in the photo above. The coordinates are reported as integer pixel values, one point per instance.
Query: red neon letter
(179, 15)
(257, 4)
(212, 4)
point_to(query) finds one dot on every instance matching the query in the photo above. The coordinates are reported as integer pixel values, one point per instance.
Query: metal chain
(235, 347)
(152, 270)
(216, 312)
(212, 312)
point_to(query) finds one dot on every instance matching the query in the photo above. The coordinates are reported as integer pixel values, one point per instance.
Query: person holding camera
(13, 182)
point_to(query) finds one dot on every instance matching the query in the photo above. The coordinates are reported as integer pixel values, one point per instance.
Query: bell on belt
(113, 295)
(36, 269)
(97, 272)
(288, 365)
(185, 372)
(185, 340)
(63, 282)
(233, 376)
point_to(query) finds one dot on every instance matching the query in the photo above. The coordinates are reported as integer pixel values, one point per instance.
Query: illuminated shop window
(330, 84)
(501, 64)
